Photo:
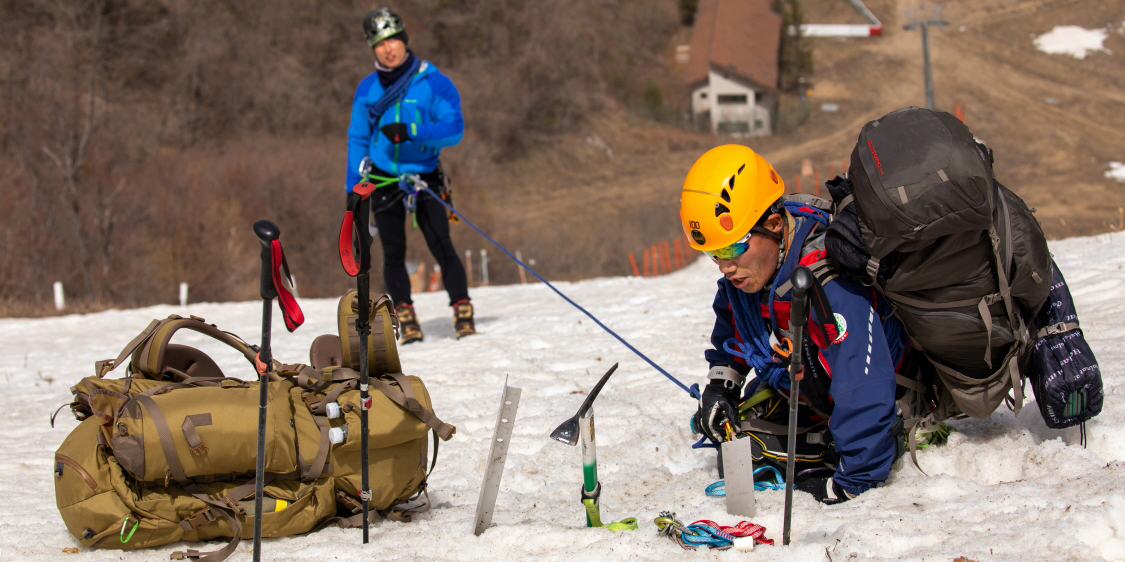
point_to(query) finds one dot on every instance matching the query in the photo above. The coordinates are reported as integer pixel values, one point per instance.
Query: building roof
(736, 37)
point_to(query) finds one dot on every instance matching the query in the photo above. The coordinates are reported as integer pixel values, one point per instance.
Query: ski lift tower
(935, 20)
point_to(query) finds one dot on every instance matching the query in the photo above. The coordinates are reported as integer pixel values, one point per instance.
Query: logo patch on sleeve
(841, 329)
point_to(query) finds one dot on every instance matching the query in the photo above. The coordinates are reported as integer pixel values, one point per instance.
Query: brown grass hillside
(214, 116)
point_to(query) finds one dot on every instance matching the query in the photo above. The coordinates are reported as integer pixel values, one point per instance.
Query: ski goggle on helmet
(381, 24)
(726, 192)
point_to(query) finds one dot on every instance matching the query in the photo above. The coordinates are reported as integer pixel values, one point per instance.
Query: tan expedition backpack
(168, 453)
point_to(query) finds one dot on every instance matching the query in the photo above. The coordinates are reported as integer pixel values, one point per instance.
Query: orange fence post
(843, 167)
(646, 262)
(816, 186)
(633, 262)
(797, 183)
(679, 250)
(657, 266)
(832, 170)
(667, 258)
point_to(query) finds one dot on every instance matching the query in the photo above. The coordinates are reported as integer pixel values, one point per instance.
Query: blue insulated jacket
(431, 109)
(861, 364)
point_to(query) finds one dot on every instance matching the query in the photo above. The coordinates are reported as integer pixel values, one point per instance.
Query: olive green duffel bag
(168, 453)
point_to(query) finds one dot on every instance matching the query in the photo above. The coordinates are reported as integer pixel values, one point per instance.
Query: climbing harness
(719, 489)
(708, 533)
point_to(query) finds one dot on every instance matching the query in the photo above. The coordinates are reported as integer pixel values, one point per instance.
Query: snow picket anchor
(580, 427)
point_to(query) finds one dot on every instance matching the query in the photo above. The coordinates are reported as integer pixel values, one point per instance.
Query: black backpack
(959, 256)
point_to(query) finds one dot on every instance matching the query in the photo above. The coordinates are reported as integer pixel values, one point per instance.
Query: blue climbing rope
(719, 488)
(421, 186)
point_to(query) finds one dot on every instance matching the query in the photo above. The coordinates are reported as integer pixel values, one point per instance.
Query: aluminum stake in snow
(497, 454)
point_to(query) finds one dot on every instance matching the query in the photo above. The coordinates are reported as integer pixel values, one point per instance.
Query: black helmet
(381, 24)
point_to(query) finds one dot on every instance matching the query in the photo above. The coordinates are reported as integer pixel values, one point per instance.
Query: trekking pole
(275, 274)
(802, 280)
(356, 222)
(267, 233)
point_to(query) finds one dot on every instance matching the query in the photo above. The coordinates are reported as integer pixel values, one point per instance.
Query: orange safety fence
(660, 258)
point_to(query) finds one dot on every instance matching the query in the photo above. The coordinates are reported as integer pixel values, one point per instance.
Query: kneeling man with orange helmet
(733, 209)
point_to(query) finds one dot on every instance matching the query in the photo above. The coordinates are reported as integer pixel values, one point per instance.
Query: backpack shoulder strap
(148, 354)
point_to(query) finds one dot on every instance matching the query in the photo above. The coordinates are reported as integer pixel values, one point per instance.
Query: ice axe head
(567, 431)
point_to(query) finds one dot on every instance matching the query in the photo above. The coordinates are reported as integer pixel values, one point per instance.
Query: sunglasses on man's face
(732, 251)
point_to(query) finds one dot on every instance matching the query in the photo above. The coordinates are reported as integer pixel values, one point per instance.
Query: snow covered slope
(1006, 488)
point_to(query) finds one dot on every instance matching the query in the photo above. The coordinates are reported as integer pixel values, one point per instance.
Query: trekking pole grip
(267, 232)
(803, 281)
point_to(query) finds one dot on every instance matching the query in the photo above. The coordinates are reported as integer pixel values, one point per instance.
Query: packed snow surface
(1004, 488)
(1116, 171)
(1072, 40)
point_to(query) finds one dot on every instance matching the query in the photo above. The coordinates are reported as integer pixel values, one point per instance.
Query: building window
(758, 98)
(732, 98)
(734, 127)
(702, 95)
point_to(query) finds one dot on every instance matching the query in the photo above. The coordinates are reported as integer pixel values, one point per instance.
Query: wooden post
(183, 294)
(484, 267)
(60, 298)
(646, 262)
(469, 267)
(633, 262)
(523, 273)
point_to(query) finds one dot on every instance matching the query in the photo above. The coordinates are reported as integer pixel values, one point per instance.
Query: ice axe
(581, 426)
(567, 431)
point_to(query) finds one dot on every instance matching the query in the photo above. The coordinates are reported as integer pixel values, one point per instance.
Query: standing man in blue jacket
(732, 208)
(403, 114)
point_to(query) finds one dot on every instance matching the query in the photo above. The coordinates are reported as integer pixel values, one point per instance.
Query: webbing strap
(317, 467)
(928, 305)
(102, 368)
(986, 316)
(404, 396)
(215, 555)
(909, 383)
(191, 435)
(165, 434)
(1054, 329)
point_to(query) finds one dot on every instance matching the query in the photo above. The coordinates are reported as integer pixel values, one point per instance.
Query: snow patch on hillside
(1072, 40)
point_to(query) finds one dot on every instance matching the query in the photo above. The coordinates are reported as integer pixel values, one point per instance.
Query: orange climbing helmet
(726, 192)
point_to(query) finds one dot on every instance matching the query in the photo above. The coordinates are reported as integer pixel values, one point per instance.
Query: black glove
(824, 489)
(396, 132)
(718, 404)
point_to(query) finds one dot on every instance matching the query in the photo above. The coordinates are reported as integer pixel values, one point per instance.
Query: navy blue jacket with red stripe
(861, 364)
